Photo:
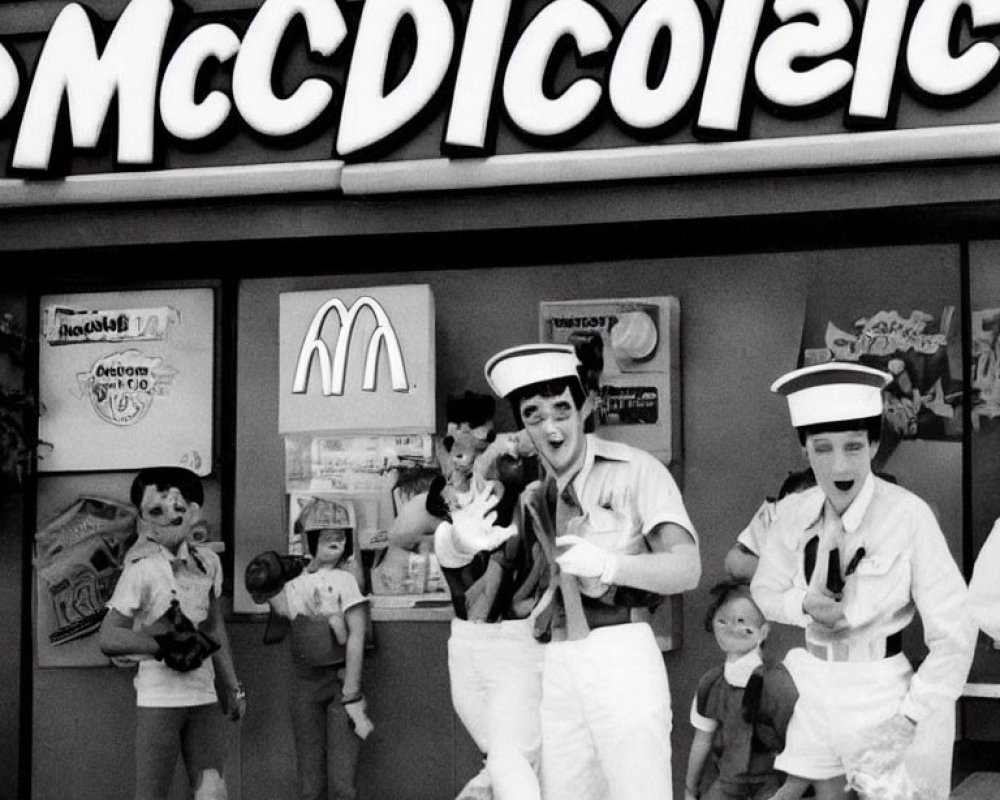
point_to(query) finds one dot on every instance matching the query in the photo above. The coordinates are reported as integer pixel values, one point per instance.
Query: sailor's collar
(737, 673)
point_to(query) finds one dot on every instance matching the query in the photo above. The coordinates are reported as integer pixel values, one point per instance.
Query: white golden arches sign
(334, 372)
(357, 360)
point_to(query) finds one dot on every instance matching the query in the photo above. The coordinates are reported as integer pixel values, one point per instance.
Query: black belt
(601, 616)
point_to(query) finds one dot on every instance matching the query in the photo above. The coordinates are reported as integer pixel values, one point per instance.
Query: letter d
(369, 116)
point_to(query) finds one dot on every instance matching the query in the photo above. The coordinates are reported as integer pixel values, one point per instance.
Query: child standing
(741, 709)
(851, 561)
(329, 617)
(165, 611)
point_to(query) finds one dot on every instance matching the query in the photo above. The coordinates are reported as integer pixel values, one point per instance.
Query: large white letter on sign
(70, 66)
(524, 96)
(928, 56)
(370, 116)
(252, 72)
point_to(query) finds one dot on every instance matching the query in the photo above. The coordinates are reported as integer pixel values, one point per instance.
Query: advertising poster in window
(125, 380)
(918, 348)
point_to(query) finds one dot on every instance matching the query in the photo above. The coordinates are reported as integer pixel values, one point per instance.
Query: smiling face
(842, 460)
(330, 546)
(739, 627)
(166, 516)
(555, 427)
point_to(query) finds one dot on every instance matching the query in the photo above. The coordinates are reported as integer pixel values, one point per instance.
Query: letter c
(928, 59)
(265, 113)
(181, 115)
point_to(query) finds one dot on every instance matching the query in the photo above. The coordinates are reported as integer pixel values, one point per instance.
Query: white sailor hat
(517, 367)
(832, 392)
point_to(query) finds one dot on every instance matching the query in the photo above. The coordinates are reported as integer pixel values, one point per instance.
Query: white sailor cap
(517, 367)
(832, 392)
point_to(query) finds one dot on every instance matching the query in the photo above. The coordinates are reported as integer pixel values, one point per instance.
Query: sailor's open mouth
(844, 486)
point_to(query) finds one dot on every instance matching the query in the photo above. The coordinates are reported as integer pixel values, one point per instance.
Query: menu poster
(126, 380)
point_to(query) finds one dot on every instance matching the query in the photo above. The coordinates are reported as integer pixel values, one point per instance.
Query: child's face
(842, 460)
(166, 516)
(739, 627)
(330, 546)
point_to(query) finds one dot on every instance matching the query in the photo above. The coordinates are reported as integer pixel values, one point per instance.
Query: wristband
(354, 698)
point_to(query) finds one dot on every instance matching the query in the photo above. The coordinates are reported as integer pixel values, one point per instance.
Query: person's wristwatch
(239, 693)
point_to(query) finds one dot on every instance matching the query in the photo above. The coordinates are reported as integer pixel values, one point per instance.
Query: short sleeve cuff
(700, 722)
(350, 603)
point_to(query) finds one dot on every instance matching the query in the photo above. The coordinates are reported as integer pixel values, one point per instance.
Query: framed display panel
(125, 380)
(357, 360)
(638, 399)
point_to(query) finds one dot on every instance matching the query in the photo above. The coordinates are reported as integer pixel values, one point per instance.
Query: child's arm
(357, 621)
(701, 746)
(353, 699)
(234, 703)
(792, 789)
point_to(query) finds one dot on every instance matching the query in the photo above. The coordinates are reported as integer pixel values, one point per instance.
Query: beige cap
(832, 392)
(517, 367)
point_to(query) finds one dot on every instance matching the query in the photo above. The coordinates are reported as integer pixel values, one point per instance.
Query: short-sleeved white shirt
(324, 593)
(151, 579)
(903, 566)
(754, 535)
(625, 493)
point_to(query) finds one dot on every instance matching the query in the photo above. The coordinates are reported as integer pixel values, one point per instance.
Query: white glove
(357, 713)
(471, 531)
(585, 560)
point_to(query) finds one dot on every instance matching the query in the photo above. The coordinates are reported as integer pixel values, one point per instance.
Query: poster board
(639, 396)
(125, 380)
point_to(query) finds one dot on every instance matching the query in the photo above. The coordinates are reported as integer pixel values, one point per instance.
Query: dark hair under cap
(550, 388)
(163, 478)
(870, 425)
(722, 593)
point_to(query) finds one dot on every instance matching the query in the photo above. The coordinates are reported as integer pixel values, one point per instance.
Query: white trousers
(606, 717)
(496, 688)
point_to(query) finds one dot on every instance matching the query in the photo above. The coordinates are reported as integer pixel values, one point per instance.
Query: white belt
(871, 650)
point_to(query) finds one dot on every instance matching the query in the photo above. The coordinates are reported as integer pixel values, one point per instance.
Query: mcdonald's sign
(357, 360)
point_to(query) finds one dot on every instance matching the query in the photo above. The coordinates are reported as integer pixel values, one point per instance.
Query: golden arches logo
(333, 369)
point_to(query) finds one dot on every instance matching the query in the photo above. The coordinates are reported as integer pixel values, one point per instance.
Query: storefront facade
(537, 152)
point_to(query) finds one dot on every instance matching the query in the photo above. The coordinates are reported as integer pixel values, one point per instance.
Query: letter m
(332, 371)
(70, 67)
